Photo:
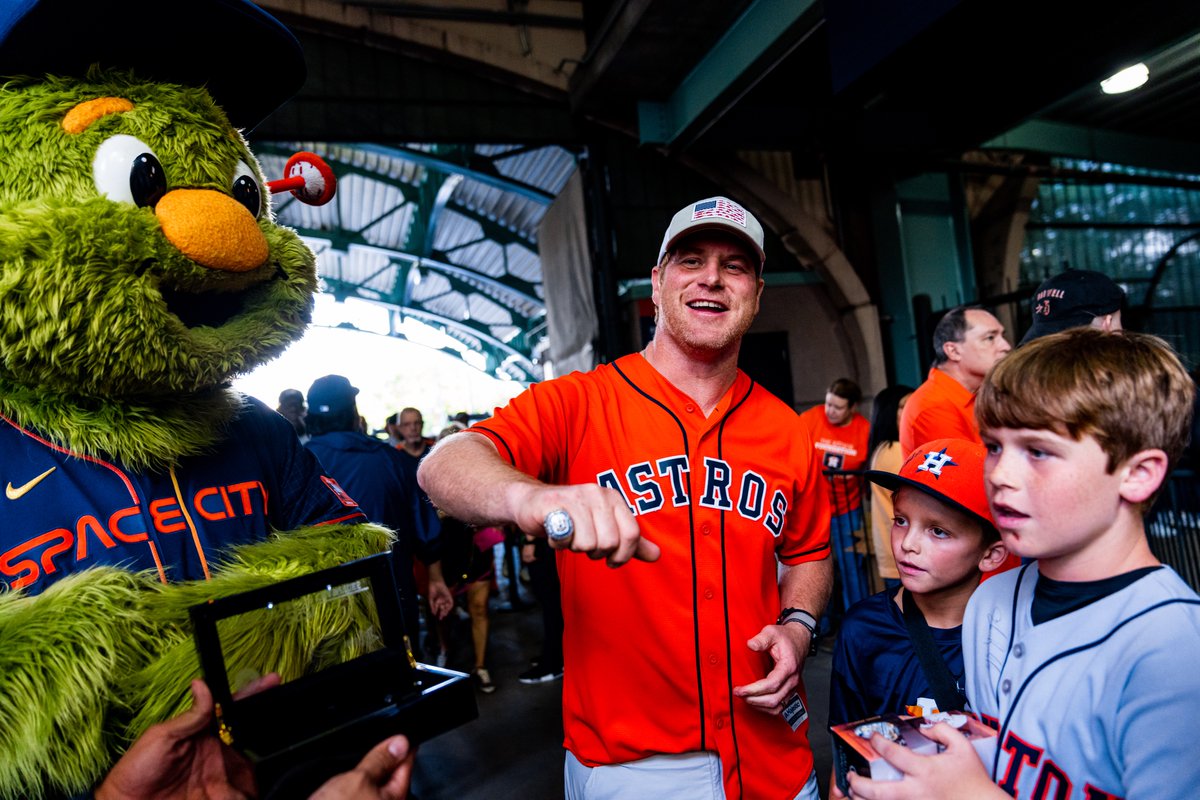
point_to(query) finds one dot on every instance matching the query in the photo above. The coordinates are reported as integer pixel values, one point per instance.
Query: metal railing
(848, 539)
(1173, 526)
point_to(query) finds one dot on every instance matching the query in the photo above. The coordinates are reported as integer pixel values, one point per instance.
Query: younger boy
(1085, 660)
(944, 541)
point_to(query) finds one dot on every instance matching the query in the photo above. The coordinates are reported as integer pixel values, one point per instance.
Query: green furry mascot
(141, 270)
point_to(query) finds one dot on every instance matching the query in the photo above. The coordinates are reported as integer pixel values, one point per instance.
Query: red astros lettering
(1021, 753)
(1052, 783)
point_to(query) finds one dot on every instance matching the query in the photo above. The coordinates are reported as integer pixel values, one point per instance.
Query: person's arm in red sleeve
(466, 477)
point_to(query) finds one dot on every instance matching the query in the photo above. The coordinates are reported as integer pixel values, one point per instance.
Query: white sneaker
(484, 681)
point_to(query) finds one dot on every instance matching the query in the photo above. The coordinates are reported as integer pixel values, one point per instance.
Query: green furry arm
(162, 689)
(101, 655)
(64, 656)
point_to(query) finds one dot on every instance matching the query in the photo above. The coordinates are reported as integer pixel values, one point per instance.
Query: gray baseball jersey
(1100, 703)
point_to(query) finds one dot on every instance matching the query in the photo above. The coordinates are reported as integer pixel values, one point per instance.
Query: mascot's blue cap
(249, 62)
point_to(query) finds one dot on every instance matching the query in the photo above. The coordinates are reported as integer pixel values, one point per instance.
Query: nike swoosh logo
(18, 493)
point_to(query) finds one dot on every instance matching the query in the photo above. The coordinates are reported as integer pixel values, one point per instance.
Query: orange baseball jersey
(652, 651)
(940, 408)
(841, 447)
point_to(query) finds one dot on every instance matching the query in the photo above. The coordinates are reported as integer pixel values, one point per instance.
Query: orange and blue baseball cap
(950, 470)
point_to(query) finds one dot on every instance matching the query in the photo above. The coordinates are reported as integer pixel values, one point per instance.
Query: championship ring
(558, 525)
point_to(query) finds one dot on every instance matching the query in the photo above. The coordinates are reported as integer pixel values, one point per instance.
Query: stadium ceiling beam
(499, 287)
(445, 12)
(513, 335)
(526, 313)
(492, 229)
(468, 163)
(765, 33)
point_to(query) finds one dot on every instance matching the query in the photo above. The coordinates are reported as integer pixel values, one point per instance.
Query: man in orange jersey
(840, 435)
(967, 341)
(681, 668)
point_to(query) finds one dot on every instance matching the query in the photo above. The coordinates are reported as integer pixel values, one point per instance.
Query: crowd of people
(1024, 467)
(445, 568)
(684, 529)
(685, 532)
(1026, 510)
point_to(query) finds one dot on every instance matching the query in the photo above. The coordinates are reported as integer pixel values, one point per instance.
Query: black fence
(855, 576)
(1173, 526)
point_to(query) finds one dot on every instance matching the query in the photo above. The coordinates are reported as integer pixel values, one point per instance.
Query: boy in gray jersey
(1085, 659)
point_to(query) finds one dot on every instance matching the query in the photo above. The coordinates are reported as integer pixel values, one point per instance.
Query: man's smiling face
(707, 291)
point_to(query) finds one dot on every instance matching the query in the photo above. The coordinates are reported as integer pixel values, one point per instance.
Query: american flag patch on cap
(719, 208)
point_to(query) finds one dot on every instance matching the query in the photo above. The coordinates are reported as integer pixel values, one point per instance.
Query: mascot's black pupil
(147, 181)
(245, 191)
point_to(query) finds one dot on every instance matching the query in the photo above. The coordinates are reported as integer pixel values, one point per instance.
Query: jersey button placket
(1018, 650)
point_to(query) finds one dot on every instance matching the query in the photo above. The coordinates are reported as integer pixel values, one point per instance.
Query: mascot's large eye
(245, 188)
(127, 171)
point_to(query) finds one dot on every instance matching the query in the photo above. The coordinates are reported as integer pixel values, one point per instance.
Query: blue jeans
(852, 571)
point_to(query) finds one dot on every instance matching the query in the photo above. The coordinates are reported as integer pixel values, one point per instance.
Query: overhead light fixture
(1126, 80)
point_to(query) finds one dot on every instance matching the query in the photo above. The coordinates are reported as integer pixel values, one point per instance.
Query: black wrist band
(801, 617)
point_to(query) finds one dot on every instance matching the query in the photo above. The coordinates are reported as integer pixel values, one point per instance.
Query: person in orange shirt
(839, 434)
(967, 341)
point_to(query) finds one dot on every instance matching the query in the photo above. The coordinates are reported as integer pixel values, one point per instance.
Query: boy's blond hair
(1128, 390)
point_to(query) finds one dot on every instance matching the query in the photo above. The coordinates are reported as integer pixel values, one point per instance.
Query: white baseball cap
(715, 213)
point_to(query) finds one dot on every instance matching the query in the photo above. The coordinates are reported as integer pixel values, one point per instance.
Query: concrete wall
(817, 341)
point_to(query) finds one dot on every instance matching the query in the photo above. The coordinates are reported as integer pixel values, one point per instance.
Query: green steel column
(923, 248)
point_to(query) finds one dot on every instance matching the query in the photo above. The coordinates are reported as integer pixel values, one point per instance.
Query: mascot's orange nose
(212, 229)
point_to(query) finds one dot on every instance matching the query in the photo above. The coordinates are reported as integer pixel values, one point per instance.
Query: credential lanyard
(941, 682)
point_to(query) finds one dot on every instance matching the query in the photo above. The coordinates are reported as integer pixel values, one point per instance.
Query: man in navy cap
(383, 484)
(1073, 299)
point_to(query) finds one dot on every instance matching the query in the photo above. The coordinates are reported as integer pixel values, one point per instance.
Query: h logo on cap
(935, 461)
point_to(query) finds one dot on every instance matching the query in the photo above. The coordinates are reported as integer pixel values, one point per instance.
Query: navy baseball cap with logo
(247, 60)
(1073, 299)
(719, 214)
(950, 470)
(331, 394)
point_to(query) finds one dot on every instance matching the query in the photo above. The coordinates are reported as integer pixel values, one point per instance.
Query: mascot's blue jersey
(63, 512)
